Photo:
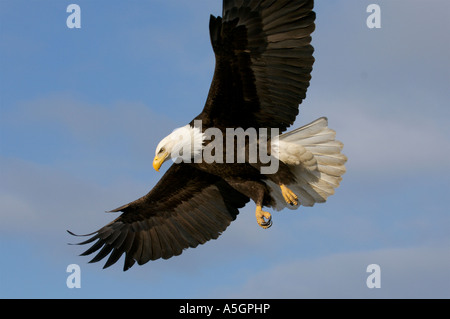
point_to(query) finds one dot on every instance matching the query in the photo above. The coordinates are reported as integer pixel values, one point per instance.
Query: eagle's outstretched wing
(186, 208)
(264, 61)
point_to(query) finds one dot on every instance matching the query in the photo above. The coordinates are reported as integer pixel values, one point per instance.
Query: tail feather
(333, 160)
(331, 180)
(306, 131)
(330, 148)
(315, 159)
(332, 170)
(318, 195)
(322, 137)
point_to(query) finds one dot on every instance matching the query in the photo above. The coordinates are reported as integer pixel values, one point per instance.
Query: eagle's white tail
(315, 158)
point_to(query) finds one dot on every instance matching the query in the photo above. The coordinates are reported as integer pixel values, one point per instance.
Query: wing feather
(263, 48)
(186, 208)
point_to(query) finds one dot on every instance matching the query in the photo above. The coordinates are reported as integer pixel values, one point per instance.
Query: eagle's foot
(289, 196)
(264, 219)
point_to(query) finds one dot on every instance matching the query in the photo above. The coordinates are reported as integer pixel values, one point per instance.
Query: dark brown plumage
(264, 61)
(186, 208)
(263, 64)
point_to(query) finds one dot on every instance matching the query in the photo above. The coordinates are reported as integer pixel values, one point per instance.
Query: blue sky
(82, 111)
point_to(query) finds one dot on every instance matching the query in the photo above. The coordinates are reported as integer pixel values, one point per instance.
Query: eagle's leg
(289, 195)
(264, 219)
(256, 190)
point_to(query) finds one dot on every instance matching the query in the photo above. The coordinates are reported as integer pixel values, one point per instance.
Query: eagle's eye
(162, 150)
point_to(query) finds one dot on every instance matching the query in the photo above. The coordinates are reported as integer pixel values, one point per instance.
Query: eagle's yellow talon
(261, 217)
(289, 196)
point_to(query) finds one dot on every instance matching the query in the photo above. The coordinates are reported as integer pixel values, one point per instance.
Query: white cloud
(91, 122)
(16, 210)
(393, 144)
(39, 199)
(417, 272)
(90, 140)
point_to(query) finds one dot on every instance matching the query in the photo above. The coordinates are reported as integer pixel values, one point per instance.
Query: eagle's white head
(182, 145)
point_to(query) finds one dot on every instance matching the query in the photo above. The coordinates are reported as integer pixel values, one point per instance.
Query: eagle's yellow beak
(158, 161)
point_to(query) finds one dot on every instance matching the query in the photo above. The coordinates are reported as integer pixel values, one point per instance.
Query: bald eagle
(264, 60)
